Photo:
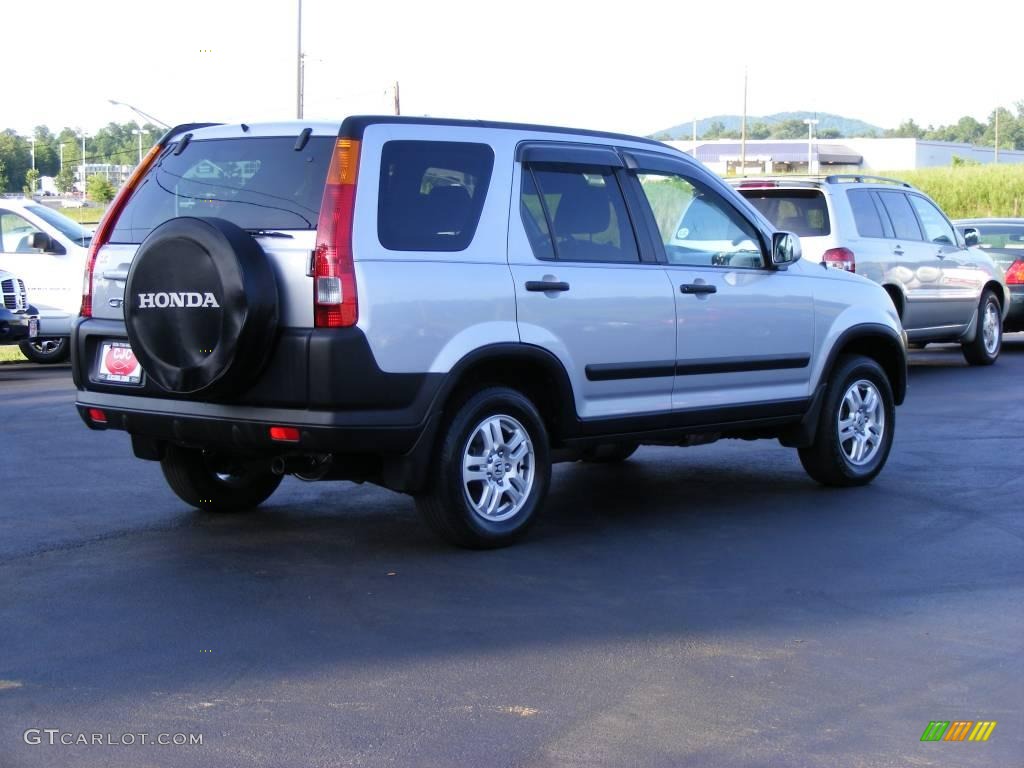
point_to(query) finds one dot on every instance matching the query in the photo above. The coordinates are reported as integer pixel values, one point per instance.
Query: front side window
(904, 222)
(16, 233)
(576, 213)
(432, 194)
(936, 228)
(698, 227)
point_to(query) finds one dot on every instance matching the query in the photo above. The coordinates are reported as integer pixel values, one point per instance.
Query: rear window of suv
(800, 211)
(256, 183)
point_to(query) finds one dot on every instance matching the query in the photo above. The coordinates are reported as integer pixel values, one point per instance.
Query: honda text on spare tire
(446, 308)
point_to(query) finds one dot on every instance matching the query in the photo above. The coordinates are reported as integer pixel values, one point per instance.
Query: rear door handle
(697, 288)
(897, 251)
(543, 286)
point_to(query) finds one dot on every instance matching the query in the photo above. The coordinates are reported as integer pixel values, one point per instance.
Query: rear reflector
(97, 416)
(106, 225)
(334, 280)
(284, 434)
(1015, 274)
(840, 258)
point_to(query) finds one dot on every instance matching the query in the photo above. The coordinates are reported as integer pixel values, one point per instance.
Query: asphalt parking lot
(707, 606)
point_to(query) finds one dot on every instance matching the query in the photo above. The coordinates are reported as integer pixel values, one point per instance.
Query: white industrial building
(838, 155)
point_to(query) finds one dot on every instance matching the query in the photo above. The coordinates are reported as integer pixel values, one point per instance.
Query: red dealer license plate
(118, 364)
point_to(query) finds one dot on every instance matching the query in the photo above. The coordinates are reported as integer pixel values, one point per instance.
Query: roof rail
(857, 178)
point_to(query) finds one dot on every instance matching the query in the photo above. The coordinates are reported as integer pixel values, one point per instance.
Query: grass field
(84, 215)
(11, 354)
(971, 191)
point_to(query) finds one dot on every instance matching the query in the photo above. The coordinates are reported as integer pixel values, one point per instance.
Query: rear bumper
(1015, 316)
(246, 429)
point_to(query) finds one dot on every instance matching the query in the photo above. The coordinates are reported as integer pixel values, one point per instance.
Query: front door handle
(897, 251)
(697, 288)
(543, 286)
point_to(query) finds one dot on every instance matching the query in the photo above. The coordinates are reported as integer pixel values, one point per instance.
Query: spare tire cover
(200, 306)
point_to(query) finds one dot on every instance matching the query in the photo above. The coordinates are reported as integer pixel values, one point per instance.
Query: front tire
(46, 351)
(988, 340)
(491, 473)
(855, 429)
(214, 485)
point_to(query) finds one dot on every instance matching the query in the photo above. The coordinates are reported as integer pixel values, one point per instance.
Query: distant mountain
(846, 126)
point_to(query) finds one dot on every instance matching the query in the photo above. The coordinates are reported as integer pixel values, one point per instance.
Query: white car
(48, 251)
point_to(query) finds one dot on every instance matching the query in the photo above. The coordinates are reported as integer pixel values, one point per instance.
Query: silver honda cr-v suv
(897, 236)
(446, 308)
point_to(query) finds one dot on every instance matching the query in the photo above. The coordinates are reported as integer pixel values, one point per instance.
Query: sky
(635, 67)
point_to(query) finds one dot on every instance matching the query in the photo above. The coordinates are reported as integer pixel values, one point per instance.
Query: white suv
(48, 251)
(448, 307)
(897, 236)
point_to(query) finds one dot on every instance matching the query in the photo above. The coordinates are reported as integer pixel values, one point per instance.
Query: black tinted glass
(534, 220)
(904, 222)
(865, 214)
(256, 183)
(431, 194)
(801, 211)
(588, 213)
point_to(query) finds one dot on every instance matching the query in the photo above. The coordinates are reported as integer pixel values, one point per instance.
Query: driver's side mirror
(785, 249)
(41, 242)
(971, 236)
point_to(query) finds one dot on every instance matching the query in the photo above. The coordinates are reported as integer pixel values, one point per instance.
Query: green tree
(907, 130)
(31, 182)
(65, 180)
(715, 130)
(3, 175)
(789, 129)
(758, 130)
(99, 188)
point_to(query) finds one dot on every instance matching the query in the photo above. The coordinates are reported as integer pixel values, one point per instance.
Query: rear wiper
(269, 233)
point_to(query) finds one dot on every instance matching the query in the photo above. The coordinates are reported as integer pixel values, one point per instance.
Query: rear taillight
(840, 258)
(285, 434)
(758, 184)
(97, 416)
(334, 279)
(106, 225)
(1015, 274)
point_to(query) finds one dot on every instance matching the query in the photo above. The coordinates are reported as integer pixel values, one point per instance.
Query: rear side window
(865, 214)
(431, 194)
(904, 222)
(256, 183)
(584, 208)
(801, 211)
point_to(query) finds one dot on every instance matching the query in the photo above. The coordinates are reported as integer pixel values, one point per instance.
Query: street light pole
(139, 132)
(810, 142)
(139, 112)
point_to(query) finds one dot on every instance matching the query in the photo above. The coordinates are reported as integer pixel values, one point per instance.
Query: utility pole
(997, 136)
(695, 138)
(32, 138)
(83, 164)
(743, 128)
(62, 157)
(298, 66)
(810, 142)
(398, 103)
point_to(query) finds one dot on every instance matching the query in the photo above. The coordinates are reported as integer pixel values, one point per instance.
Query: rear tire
(46, 351)
(988, 340)
(855, 429)
(491, 473)
(213, 486)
